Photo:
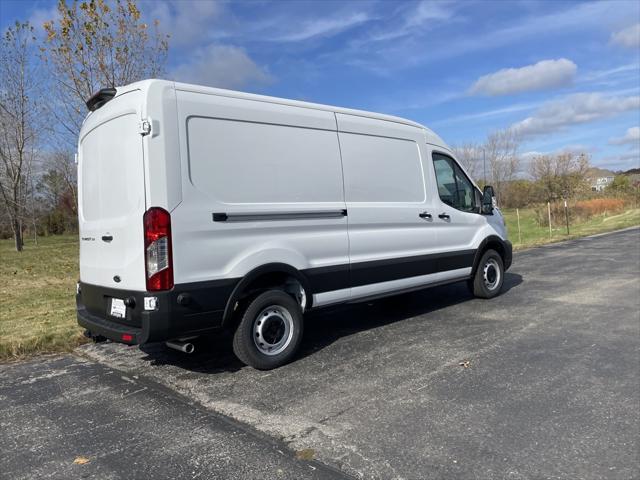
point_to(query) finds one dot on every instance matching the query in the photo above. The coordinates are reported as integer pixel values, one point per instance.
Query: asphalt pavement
(67, 418)
(542, 382)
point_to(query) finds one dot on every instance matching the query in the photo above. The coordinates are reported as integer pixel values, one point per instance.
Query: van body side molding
(270, 216)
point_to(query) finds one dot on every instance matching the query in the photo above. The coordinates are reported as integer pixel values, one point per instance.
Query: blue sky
(566, 75)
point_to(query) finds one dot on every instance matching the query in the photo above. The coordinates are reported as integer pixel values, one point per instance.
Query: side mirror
(488, 196)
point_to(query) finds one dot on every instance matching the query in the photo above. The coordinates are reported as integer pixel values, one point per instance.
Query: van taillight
(157, 249)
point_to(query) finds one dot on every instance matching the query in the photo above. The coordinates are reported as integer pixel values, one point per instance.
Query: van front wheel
(269, 331)
(489, 276)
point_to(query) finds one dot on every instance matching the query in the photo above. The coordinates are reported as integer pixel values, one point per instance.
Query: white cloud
(222, 66)
(196, 54)
(630, 68)
(185, 20)
(542, 75)
(321, 27)
(620, 162)
(415, 19)
(428, 10)
(572, 110)
(466, 118)
(577, 17)
(631, 137)
(627, 37)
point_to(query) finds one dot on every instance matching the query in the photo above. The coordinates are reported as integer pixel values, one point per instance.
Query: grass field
(38, 285)
(38, 296)
(532, 234)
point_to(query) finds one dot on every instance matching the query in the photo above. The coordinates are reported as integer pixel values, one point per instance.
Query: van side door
(458, 220)
(390, 214)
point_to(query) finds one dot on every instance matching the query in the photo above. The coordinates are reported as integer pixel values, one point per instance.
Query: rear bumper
(173, 317)
(155, 327)
(117, 332)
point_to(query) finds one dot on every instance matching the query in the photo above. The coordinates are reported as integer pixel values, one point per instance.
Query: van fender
(254, 274)
(505, 249)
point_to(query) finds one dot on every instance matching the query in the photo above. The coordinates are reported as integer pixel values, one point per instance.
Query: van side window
(454, 188)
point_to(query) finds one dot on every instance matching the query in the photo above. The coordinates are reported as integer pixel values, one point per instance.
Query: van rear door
(112, 196)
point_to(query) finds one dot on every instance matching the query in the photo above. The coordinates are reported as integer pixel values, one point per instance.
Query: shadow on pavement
(322, 328)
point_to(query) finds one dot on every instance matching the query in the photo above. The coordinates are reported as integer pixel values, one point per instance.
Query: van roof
(431, 137)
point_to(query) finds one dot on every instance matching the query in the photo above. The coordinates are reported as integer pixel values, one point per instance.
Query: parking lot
(541, 382)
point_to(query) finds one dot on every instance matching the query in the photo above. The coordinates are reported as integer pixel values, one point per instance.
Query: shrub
(580, 211)
(598, 206)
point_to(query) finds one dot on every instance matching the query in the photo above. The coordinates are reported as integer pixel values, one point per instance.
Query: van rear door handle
(444, 216)
(425, 215)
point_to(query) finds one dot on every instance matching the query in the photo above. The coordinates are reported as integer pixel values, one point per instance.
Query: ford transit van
(203, 210)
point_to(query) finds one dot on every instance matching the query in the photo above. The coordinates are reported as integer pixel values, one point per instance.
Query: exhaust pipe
(186, 347)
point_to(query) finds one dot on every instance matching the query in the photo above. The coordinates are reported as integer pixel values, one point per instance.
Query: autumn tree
(20, 116)
(560, 176)
(521, 193)
(97, 44)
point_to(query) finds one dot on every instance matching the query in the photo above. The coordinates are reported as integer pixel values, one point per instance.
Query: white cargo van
(203, 209)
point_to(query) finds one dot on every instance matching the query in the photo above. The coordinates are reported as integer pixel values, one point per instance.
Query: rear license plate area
(117, 308)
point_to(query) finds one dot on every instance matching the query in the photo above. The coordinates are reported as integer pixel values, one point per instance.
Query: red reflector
(127, 337)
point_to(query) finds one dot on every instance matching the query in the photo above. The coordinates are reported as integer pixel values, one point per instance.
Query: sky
(565, 75)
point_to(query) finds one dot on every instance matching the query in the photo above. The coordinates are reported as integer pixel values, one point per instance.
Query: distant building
(600, 179)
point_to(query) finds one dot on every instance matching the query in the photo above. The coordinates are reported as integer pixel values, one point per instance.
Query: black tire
(269, 314)
(489, 277)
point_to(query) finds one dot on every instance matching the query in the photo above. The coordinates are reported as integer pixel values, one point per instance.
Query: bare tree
(19, 117)
(470, 156)
(96, 44)
(63, 163)
(560, 176)
(503, 161)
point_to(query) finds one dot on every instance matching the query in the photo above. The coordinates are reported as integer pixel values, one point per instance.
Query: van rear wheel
(489, 276)
(270, 330)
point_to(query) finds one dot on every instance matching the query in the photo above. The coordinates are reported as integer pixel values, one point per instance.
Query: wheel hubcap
(491, 274)
(273, 330)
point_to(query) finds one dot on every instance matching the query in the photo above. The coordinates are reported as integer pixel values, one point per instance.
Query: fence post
(566, 215)
(519, 234)
(549, 213)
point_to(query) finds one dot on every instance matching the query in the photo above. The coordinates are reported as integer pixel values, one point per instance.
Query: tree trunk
(17, 235)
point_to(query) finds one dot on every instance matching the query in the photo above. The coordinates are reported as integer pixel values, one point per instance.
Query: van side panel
(241, 163)
(262, 184)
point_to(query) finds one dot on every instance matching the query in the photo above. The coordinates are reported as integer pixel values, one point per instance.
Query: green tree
(620, 185)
